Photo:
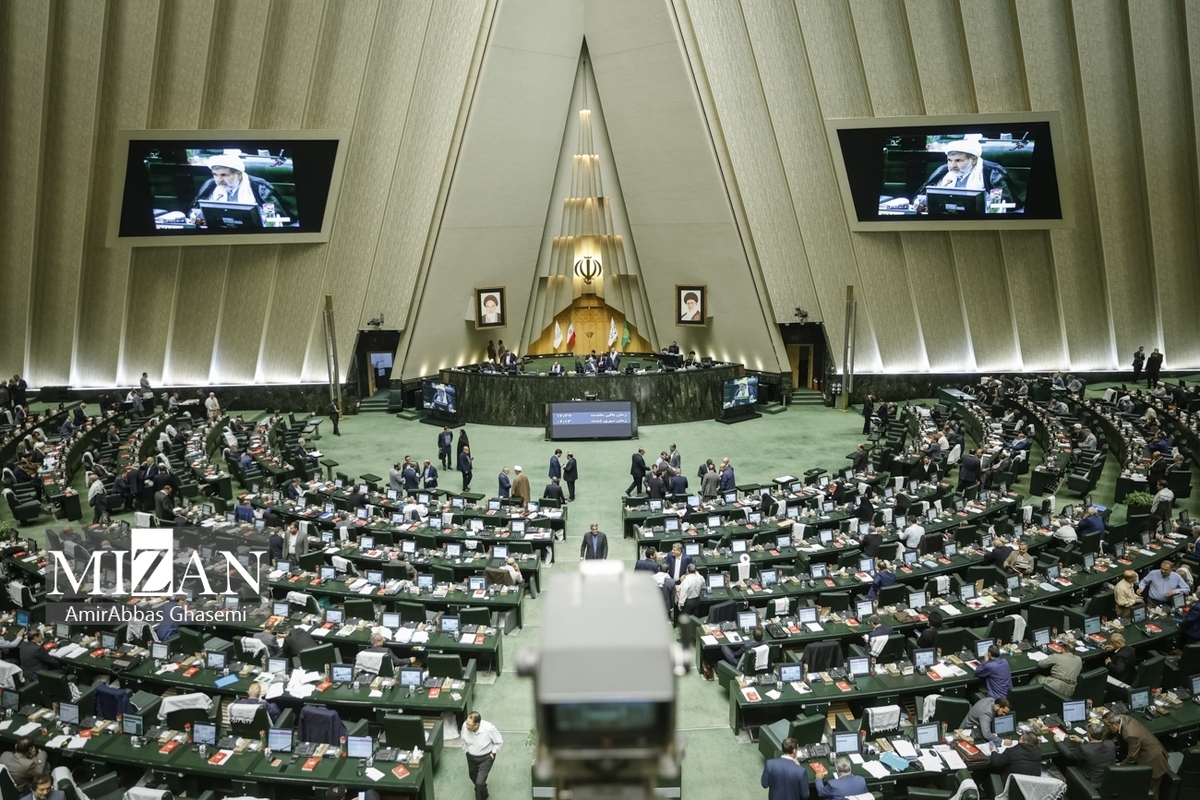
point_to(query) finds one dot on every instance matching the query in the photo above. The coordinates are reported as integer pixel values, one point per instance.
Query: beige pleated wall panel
(1158, 38)
(333, 97)
(393, 56)
(63, 190)
(154, 272)
(235, 42)
(25, 30)
(680, 211)
(996, 62)
(1114, 144)
(783, 66)
(730, 67)
(839, 80)
(454, 40)
(127, 69)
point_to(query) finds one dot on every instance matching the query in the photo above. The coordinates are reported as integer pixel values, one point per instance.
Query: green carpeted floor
(716, 764)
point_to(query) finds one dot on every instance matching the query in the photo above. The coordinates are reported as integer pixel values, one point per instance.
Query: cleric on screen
(231, 184)
(965, 168)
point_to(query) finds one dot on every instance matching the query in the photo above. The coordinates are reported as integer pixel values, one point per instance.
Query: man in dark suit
(677, 483)
(655, 488)
(1092, 755)
(784, 778)
(1122, 660)
(638, 471)
(571, 474)
(844, 785)
(32, 656)
(505, 483)
(649, 563)
(464, 466)
(733, 654)
(1157, 471)
(79, 415)
(444, 441)
(296, 642)
(878, 628)
(970, 469)
(861, 459)
(1153, 365)
(429, 476)
(553, 491)
(594, 545)
(412, 481)
(677, 562)
(556, 465)
(275, 545)
(868, 411)
(1023, 758)
(921, 470)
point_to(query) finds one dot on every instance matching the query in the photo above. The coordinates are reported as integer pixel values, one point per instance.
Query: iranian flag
(571, 334)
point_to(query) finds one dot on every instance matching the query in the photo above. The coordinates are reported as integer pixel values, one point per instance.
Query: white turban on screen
(972, 147)
(223, 194)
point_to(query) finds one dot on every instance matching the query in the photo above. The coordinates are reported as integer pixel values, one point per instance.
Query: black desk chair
(1001, 629)
(820, 656)
(834, 601)
(1043, 616)
(954, 640)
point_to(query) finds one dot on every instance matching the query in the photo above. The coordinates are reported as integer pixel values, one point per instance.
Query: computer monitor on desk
(1041, 637)
(981, 647)
(1004, 725)
(925, 657)
(279, 740)
(790, 673)
(1074, 711)
(747, 620)
(1139, 699)
(928, 735)
(225, 217)
(131, 724)
(410, 677)
(845, 743)
(860, 667)
(204, 733)
(68, 713)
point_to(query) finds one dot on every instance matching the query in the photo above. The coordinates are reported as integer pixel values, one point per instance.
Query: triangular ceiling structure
(505, 186)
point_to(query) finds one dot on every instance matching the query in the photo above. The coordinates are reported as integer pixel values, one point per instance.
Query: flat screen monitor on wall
(439, 398)
(968, 172)
(739, 392)
(225, 187)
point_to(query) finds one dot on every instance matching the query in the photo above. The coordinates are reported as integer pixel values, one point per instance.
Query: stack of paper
(876, 769)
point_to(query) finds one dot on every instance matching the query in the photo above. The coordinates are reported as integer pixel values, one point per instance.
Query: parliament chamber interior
(598, 398)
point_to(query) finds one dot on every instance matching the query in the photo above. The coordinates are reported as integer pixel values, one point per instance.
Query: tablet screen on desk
(280, 740)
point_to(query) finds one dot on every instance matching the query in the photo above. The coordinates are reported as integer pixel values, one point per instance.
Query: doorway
(380, 374)
(800, 356)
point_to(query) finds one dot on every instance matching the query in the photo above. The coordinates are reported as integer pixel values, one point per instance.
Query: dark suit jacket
(571, 470)
(505, 485)
(553, 491)
(861, 458)
(586, 549)
(275, 543)
(970, 469)
(679, 484)
(685, 560)
(784, 779)
(842, 787)
(296, 642)
(655, 487)
(464, 463)
(1123, 664)
(1092, 758)
(638, 469)
(411, 482)
(555, 467)
(646, 564)
(870, 544)
(1020, 759)
(430, 477)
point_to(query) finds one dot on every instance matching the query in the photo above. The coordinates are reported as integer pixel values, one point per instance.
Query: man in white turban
(965, 168)
(230, 183)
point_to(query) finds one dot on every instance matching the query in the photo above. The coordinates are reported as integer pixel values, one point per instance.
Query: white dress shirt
(912, 536)
(483, 742)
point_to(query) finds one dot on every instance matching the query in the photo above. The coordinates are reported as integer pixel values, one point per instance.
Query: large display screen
(592, 420)
(738, 392)
(962, 172)
(197, 187)
(439, 398)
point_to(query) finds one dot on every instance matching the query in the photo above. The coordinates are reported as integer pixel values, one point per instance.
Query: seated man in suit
(553, 491)
(254, 697)
(734, 654)
(296, 642)
(877, 628)
(267, 636)
(294, 490)
(244, 512)
(1023, 758)
(844, 784)
(1092, 755)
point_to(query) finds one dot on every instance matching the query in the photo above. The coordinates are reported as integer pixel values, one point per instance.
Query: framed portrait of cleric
(490, 308)
(691, 305)
(964, 172)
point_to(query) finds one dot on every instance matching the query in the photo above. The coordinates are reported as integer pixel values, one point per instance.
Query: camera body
(605, 684)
